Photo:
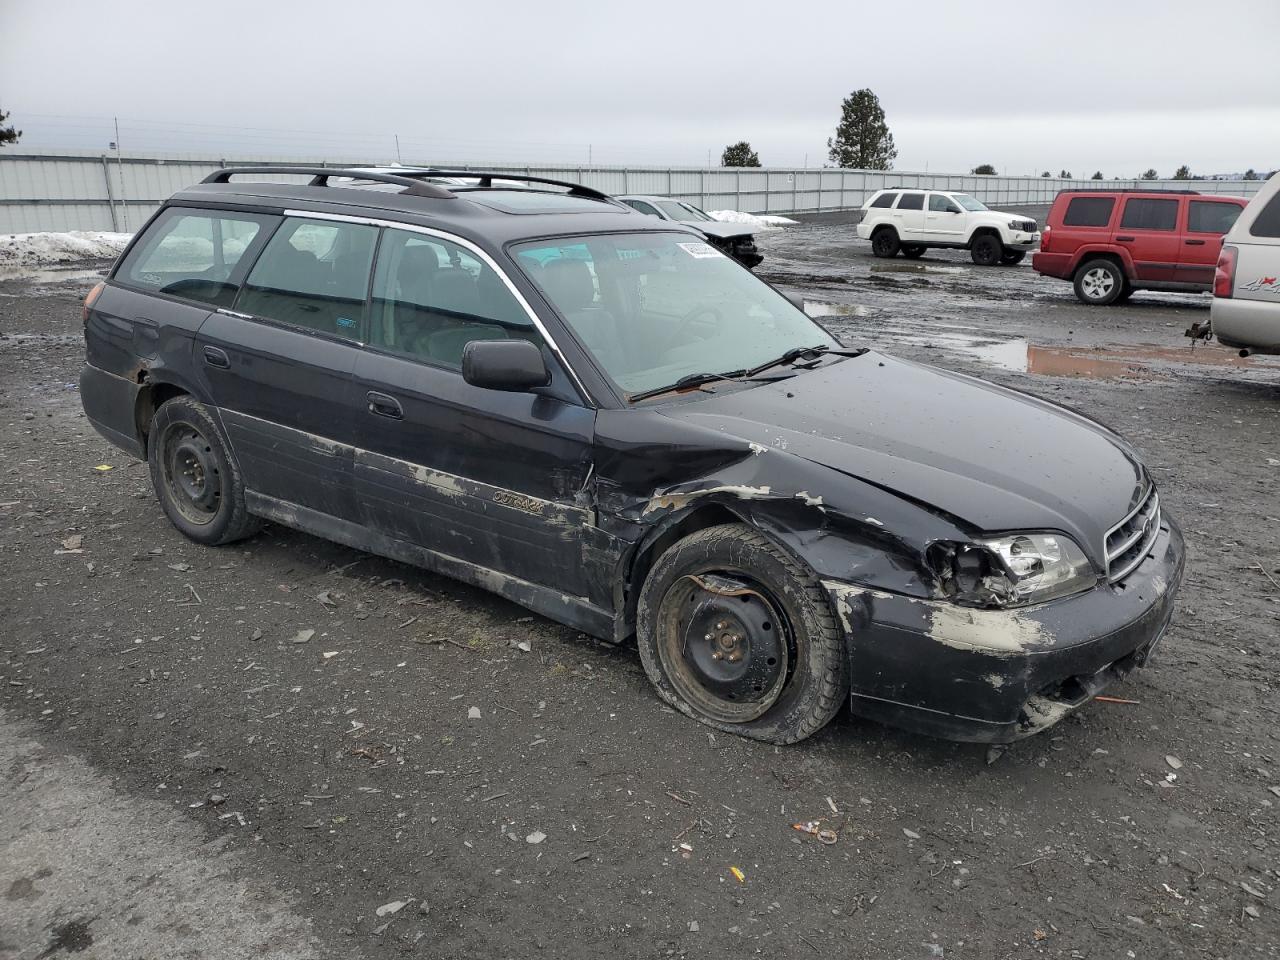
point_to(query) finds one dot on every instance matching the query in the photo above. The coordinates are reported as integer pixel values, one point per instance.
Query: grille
(1131, 540)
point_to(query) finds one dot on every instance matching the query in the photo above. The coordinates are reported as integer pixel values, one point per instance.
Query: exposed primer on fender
(809, 499)
(673, 501)
(757, 448)
(996, 633)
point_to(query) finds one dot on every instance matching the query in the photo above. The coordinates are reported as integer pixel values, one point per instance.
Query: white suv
(1246, 286)
(911, 221)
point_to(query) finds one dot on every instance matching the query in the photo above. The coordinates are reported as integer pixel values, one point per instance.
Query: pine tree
(1097, 175)
(862, 140)
(1182, 173)
(7, 134)
(984, 170)
(739, 154)
(1150, 174)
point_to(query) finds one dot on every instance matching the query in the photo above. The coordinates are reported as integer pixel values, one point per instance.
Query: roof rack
(320, 178)
(1193, 193)
(415, 181)
(486, 178)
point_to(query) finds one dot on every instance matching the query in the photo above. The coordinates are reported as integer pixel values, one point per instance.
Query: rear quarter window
(1088, 211)
(884, 200)
(195, 254)
(1267, 222)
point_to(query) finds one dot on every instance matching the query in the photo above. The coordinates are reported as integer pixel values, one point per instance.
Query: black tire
(1126, 293)
(884, 243)
(195, 477)
(986, 250)
(794, 673)
(1099, 283)
(1012, 257)
(913, 251)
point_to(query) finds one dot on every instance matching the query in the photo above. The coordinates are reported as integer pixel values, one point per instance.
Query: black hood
(991, 458)
(720, 229)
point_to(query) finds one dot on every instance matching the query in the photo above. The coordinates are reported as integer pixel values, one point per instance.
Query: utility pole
(397, 136)
(589, 160)
(124, 208)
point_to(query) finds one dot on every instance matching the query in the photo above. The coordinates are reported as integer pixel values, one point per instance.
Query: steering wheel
(690, 322)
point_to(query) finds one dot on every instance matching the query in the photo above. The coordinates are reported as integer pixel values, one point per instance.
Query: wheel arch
(981, 230)
(155, 391)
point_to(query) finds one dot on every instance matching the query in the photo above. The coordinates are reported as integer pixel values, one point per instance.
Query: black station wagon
(525, 385)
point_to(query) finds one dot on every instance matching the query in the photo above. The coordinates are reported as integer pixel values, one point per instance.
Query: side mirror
(952, 210)
(512, 365)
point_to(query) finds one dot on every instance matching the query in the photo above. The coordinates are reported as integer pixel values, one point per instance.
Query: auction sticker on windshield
(700, 250)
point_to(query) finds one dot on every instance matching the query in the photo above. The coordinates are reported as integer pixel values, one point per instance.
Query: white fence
(70, 191)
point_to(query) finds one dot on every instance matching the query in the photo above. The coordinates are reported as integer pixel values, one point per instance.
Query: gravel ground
(154, 686)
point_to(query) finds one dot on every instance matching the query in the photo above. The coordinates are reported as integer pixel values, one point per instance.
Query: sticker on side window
(700, 250)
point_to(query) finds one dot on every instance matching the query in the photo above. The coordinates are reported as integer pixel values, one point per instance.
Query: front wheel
(194, 475)
(1011, 257)
(884, 243)
(1099, 282)
(986, 250)
(734, 633)
(913, 251)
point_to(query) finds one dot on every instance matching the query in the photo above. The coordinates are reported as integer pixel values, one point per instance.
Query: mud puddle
(935, 268)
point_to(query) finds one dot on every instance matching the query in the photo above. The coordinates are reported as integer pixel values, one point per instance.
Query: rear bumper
(993, 676)
(1052, 264)
(863, 230)
(1252, 324)
(110, 403)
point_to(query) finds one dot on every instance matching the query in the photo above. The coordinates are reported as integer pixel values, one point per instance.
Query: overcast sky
(1024, 86)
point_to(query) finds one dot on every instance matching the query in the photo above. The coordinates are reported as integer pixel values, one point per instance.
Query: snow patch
(759, 221)
(39, 248)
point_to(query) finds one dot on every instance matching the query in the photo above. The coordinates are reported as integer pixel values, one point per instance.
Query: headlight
(1012, 571)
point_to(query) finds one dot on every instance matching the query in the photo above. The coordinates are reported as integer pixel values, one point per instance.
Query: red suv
(1110, 243)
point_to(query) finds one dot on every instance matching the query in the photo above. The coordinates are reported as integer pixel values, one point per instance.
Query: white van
(1246, 284)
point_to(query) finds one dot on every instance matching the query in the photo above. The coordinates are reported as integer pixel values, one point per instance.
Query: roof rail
(415, 181)
(1193, 193)
(486, 178)
(320, 178)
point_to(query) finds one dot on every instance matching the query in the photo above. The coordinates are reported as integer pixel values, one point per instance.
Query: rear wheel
(884, 242)
(1099, 282)
(912, 251)
(986, 250)
(734, 633)
(1011, 257)
(194, 475)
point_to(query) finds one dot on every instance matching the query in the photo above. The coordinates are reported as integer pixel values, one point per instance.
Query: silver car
(1246, 284)
(733, 239)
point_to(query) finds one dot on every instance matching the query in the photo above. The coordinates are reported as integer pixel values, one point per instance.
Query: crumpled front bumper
(994, 676)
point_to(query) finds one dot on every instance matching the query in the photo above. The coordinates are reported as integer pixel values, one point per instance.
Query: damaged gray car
(600, 416)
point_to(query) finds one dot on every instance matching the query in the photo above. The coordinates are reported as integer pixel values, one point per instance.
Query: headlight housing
(1013, 570)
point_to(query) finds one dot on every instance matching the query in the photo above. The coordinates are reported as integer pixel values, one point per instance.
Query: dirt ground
(342, 773)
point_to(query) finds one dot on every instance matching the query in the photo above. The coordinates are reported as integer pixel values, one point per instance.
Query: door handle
(217, 358)
(1195, 243)
(1125, 239)
(384, 406)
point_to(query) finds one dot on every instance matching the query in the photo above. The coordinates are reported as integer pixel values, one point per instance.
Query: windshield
(655, 307)
(675, 210)
(968, 202)
(695, 213)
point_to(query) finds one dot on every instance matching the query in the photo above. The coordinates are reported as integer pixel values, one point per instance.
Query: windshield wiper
(690, 380)
(791, 356)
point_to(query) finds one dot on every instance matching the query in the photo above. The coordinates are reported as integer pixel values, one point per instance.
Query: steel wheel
(191, 474)
(725, 645)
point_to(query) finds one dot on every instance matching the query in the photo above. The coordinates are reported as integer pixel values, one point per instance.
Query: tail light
(1044, 238)
(1224, 275)
(90, 300)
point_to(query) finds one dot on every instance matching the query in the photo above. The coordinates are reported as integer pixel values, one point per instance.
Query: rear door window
(432, 297)
(1089, 212)
(1145, 213)
(911, 201)
(1209, 216)
(313, 274)
(195, 254)
(884, 200)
